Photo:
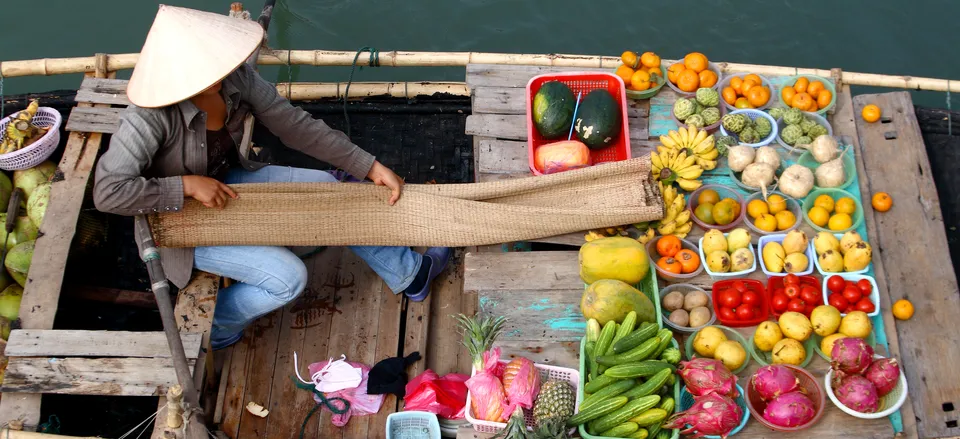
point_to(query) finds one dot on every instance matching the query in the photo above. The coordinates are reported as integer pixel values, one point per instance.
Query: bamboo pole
(54, 66)
(7, 433)
(300, 91)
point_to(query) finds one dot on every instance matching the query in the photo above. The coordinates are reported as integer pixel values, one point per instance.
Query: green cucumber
(639, 434)
(598, 410)
(603, 343)
(650, 417)
(599, 383)
(623, 330)
(619, 416)
(635, 338)
(665, 336)
(668, 404)
(642, 369)
(663, 435)
(621, 430)
(639, 353)
(608, 392)
(593, 330)
(654, 430)
(650, 386)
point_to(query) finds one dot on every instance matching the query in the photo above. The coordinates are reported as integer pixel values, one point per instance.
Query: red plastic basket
(776, 282)
(810, 386)
(581, 82)
(751, 285)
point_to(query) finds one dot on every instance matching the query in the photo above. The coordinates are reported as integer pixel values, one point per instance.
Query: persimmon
(729, 95)
(746, 86)
(668, 245)
(814, 89)
(824, 98)
(801, 101)
(689, 260)
(670, 265)
(630, 59)
(625, 73)
(695, 61)
(655, 71)
(758, 95)
(650, 59)
(640, 80)
(786, 95)
(813, 105)
(735, 84)
(870, 113)
(673, 72)
(688, 80)
(753, 77)
(801, 85)
(708, 78)
(881, 201)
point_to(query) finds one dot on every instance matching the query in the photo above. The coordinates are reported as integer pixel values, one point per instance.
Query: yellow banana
(680, 235)
(683, 218)
(710, 154)
(687, 162)
(692, 134)
(701, 136)
(655, 160)
(667, 141)
(689, 185)
(679, 203)
(704, 146)
(684, 228)
(667, 228)
(690, 172)
(707, 165)
(645, 238)
(671, 215)
(684, 136)
(675, 136)
(678, 159)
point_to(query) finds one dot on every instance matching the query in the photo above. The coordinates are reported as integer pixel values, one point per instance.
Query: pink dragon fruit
(858, 393)
(790, 410)
(774, 380)
(712, 414)
(704, 376)
(851, 355)
(884, 373)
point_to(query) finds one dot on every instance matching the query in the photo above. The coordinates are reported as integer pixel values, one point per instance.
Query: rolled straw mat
(450, 215)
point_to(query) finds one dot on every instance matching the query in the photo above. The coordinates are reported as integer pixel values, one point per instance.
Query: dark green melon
(598, 119)
(553, 110)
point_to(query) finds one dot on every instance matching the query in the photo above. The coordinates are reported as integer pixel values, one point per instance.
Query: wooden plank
(103, 91)
(89, 376)
(917, 262)
(555, 270)
(443, 337)
(496, 75)
(388, 345)
(496, 156)
(261, 362)
(94, 120)
(77, 343)
(234, 400)
(514, 126)
(511, 100)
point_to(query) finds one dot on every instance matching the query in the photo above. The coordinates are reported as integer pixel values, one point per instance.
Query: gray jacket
(141, 171)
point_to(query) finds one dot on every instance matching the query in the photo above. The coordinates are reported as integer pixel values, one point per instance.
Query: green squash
(553, 107)
(598, 120)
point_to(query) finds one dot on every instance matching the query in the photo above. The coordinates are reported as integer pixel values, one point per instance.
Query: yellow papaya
(616, 257)
(611, 299)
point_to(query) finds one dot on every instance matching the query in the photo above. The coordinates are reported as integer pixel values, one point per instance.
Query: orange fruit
(625, 73)
(688, 80)
(742, 102)
(640, 80)
(723, 212)
(753, 77)
(696, 61)
(903, 309)
(801, 85)
(669, 245)
(729, 95)
(735, 84)
(758, 95)
(824, 98)
(650, 59)
(708, 196)
(870, 113)
(630, 59)
(785, 219)
(673, 72)
(801, 101)
(814, 89)
(746, 86)
(825, 201)
(766, 222)
(670, 265)
(845, 205)
(818, 215)
(881, 201)
(787, 95)
(708, 78)
(756, 208)
(689, 260)
(813, 105)
(655, 71)
(839, 221)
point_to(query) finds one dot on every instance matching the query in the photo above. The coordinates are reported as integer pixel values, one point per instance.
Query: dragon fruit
(790, 410)
(858, 393)
(704, 376)
(884, 373)
(712, 414)
(851, 355)
(774, 380)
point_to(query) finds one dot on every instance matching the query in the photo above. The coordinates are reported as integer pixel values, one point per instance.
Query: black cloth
(390, 375)
(222, 153)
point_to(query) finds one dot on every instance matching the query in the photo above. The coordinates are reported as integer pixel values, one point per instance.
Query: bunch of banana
(677, 220)
(593, 235)
(696, 142)
(673, 165)
(20, 132)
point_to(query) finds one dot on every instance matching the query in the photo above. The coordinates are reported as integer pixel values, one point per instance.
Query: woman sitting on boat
(191, 90)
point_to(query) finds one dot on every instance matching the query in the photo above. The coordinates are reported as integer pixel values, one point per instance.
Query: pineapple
(550, 429)
(556, 401)
(516, 427)
(478, 335)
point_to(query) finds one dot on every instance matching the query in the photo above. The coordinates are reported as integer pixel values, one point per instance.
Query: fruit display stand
(543, 288)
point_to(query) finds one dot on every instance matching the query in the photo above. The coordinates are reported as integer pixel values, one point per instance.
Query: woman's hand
(383, 176)
(210, 192)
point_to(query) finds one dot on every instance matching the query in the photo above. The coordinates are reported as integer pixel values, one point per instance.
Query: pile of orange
(746, 92)
(641, 72)
(692, 73)
(806, 95)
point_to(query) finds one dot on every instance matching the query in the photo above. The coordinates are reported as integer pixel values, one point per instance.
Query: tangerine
(814, 89)
(756, 208)
(801, 101)
(787, 94)
(776, 203)
(825, 201)
(845, 205)
(689, 260)
(729, 95)
(766, 222)
(840, 221)
(670, 265)
(696, 61)
(650, 59)
(708, 78)
(742, 102)
(785, 219)
(813, 104)
(753, 77)
(655, 71)
(903, 309)
(870, 113)
(746, 86)
(673, 72)
(704, 213)
(881, 201)
(625, 73)
(736, 83)
(818, 215)
(824, 98)
(688, 80)
(640, 80)
(630, 59)
(708, 196)
(668, 245)
(758, 95)
(723, 212)
(801, 85)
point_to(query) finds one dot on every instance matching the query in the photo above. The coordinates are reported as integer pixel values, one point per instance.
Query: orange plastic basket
(581, 82)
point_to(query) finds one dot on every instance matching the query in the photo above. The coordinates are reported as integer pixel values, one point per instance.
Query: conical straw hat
(186, 52)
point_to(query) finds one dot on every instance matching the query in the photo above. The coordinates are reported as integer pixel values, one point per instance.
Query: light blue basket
(778, 238)
(413, 425)
(686, 401)
(722, 276)
(753, 115)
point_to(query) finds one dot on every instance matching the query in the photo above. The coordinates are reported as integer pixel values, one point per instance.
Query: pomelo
(10, 302)
(18, 261)
(29, 179)
(6, 188)
(37, 203)
(23, 230)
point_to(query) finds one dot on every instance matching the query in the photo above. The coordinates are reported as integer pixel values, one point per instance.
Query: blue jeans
(270, 277)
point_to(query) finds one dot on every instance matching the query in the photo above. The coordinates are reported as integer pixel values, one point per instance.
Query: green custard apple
(817, 131)
(806, 125)
(708, 97)
(723, 143)
(696, 120)
(763, 127)
(734, 123)
(749, 135)
(791, 133)
(710, 115)
(793, 116)
(804, 140)
(684, 108)
(776, 113)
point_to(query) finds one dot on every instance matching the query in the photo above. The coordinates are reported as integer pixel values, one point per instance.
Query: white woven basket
(40, 150)
(571, 376)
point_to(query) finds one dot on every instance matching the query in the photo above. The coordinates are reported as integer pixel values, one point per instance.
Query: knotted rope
(324, 401)
(373, 62)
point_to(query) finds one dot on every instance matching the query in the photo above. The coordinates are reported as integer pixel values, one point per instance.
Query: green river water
(878, 36)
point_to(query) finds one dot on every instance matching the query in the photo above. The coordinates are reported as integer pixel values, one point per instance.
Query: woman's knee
(286, 283)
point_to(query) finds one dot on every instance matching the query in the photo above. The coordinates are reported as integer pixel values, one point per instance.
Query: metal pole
(265, 14)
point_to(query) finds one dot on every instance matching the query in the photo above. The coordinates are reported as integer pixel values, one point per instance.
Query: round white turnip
(768, 155)
(740, 156)
(824, 148)
(796, 181)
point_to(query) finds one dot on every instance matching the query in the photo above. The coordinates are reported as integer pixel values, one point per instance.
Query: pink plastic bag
(360, 402)
(524, 386)
(487, 397)
(445, 396)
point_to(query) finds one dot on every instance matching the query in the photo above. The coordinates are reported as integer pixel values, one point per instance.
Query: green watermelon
(553, 107)
(598, 119)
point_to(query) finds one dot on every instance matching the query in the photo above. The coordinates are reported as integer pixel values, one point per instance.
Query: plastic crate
(874, 293)
(413, 425)
(581, 82)
(776, 282)
(827, 274)
(751, 285)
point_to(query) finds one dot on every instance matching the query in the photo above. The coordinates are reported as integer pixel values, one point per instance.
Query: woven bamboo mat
(451, 215)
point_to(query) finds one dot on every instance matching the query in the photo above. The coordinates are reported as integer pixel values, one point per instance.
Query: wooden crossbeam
(77, 343)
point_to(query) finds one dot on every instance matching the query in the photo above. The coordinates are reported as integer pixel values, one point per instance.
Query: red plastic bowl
(581, 82)
(752, 285)
(808, 383)
(775, 282)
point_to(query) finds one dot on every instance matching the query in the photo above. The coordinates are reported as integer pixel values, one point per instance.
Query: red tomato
(810, 295)
(797, 304)
(751, 298)
(836, 284)
(837, 301)
(739, 286)
(852, 294)
(727, 314)
(744, 313)
(791, 279)
(865, 286)
(792, 291)
(779, 302)
(865, 305)
(730, 298)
